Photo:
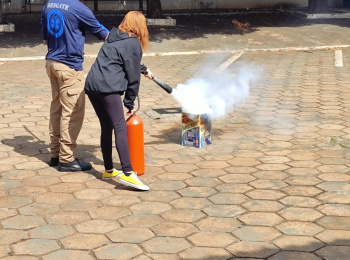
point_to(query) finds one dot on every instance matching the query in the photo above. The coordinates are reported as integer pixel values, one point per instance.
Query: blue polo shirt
(64, 23)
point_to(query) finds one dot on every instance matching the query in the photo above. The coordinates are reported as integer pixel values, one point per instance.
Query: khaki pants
(67, 109)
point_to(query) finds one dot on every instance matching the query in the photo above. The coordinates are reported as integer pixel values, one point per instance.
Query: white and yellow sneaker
(110, 175)
(133, 181)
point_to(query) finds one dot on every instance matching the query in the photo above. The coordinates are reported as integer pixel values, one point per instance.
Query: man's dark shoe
(53, 162)
(75, 166)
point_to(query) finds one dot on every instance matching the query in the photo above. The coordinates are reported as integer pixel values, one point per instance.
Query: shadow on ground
(190, 26)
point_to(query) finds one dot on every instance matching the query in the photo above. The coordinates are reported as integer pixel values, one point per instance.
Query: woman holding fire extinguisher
(116, 72)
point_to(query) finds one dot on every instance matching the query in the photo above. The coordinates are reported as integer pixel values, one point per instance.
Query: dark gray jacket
(117, 68)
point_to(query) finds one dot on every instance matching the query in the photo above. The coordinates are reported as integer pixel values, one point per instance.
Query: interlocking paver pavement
(273, 185)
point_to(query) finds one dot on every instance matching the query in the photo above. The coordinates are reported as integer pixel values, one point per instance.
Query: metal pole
(96, 5)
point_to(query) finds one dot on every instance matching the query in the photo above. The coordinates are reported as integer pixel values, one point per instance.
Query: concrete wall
(19, 6)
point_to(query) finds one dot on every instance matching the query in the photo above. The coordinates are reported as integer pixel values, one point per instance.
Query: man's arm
(89, 21)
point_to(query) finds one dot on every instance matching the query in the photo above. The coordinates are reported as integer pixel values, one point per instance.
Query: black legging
(109, 110)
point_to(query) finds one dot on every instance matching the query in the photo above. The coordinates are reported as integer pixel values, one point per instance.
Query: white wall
(18, 6)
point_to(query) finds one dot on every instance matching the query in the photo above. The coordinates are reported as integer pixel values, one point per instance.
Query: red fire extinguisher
(136, 141)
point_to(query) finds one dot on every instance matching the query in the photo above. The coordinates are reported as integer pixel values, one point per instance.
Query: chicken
(241, 27)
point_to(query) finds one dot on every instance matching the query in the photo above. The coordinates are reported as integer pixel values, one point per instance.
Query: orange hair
(135, 23)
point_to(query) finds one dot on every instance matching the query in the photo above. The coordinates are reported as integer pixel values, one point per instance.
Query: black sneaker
(75, 166)
(53, 162)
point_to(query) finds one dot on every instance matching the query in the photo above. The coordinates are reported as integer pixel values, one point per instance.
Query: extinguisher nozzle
(164, 86)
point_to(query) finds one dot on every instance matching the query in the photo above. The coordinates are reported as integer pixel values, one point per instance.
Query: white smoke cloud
(217, 94)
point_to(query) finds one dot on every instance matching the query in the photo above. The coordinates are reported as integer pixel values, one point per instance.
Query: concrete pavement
(274, 184)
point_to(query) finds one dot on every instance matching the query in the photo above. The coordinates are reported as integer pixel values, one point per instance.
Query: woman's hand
(131, 112)
(148, 74)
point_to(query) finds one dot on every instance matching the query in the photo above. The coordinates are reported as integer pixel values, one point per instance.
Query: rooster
(241, 27)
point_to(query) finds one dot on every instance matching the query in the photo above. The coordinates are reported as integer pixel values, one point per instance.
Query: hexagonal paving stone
(118, 251)
(299, 201)
(301, 214)
(180, 167)
(130, 235)
(54, 198)
(234, 188)
(268, 184)
(244, 162)
(23, 222)
(41, 181)
(199, 192)
(240, 170)
(256, 233)
(333, 168)
(263, 205)
(224, 210)
(79, 177)
(208, 173)
(169, 245)
(109, 213)
(183, 215)
(212, 239)
(93, 194)
(14, 202)
(205, 253)
(5, 213)
(228, 198)
(68, 254)
(336, 238)
(305, 171)
(302, 180)
(306, 191)
(334, 252)
(265, 194)
(141, 221)
(260, 219)
(252, 249)
(298, 228)
(84, 241)
(153, 208)
(5, 251)
(35, 247)
(81, 205)
(67, 218)
(23, 191)
(218, 224)
(174, 229)
(52, 231)
(124, 201)
(202, 182)
(18, 174)
(341, 210)
(335, 186)
(167, 185)
(237, 178)
(37, 209)
(333, 222)
(270, 175)
(160, 196)
(9, 236)
(335, 197)
(191, 203)
(66, 187)
(97, 226)
(212, 164)
(303, 156)
(298, 243)
(293, 256)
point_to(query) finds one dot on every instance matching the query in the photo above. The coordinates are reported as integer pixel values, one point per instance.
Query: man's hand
(45, 42)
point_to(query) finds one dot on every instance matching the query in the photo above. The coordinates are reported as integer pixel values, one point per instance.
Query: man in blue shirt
(64, 23)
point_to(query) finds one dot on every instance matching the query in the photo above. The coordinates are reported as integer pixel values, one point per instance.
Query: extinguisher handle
(138, 108)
